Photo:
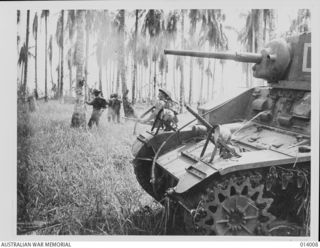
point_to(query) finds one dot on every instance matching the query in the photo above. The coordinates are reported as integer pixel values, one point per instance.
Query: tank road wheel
(239, 209)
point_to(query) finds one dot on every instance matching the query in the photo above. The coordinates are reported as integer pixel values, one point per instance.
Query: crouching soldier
(99, 104)
(163, 115)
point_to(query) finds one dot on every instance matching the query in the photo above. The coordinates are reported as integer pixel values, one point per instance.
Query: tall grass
(73, 181)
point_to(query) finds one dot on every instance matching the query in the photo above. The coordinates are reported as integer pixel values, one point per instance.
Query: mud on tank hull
(264, 191)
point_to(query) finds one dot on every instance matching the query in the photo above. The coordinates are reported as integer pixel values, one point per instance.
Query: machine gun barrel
(200, 118)
(240, 57)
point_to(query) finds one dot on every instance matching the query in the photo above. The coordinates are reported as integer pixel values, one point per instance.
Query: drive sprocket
(236, 208)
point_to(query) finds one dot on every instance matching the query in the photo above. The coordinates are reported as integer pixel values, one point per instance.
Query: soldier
(110, 110)
(116, 106)
(163, 113)
(99, 104)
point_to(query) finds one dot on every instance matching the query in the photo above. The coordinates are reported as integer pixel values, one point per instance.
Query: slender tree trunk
(165, 74)
(46, 60)
(174, 78)
(26, 62)
(22, 72)
(191, 83)
(122, 52)
(70, 81)
(222, 78)
(135, 58)
(272, 24)
(150, 78)
(56, 96)
(182, 65)
(114, 73)
(208, 86)
(201, 85)
(253, 44)
(100, 77)
(62, 57)
(214, 78)
(86, 65)
(35, 64)
(154, 79)
(118, 79)
(107, 80)
(79, 114)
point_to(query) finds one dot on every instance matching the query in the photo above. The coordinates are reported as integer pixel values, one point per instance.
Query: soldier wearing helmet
(99, 104)
(163, 113)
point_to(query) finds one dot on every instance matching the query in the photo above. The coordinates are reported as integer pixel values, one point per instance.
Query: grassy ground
(79, 182)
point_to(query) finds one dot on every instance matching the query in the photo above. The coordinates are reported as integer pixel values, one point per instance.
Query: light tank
(244, 167)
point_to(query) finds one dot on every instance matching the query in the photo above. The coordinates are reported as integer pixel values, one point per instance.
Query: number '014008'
(308, 244)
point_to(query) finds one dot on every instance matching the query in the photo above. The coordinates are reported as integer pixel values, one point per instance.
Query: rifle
(143, 115)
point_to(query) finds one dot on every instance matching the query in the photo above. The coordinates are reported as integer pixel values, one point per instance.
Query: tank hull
(274, 163)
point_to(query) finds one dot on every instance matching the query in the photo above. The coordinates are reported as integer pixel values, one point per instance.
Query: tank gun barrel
(236, 56)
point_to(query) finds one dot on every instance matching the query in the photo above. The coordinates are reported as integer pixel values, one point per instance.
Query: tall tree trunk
(214, 78)
(222, 78)
(86, 65)
(118, 79)
(57, 93)
(135, 58)
(100, 77)
(208, 87)
(182, 65)
(107, 80)
(201, 85)
(46, 60)
(150, 80)
(70, 81)
(174, 77)
(62, 57)
(35, 64)
(114, 73)
(79, 114)
(165, 74)
(22, 72)
(272, 24)
(26, 62)
(190, 82)
(154, 79)
(122, 52)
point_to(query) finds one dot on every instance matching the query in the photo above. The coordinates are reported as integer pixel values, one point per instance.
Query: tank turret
(278, 60)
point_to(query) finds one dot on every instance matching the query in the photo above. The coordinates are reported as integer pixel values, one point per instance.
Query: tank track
(269, 201)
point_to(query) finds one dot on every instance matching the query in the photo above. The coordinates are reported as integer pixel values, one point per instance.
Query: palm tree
(89, 18)
(62, 55)
(18, 36)
(301, 23)
(71, 29)
(154, 24)
(26, 57)
(35, 35)
(254, 35)
(194, 16)
(133, 90)
(181, 101)
(45, 14)
(50, 52)
(101, 25)
(60, 42)
(212, 31)
(171, 32)
(23, 54)
(79, 115)
(70, 64)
